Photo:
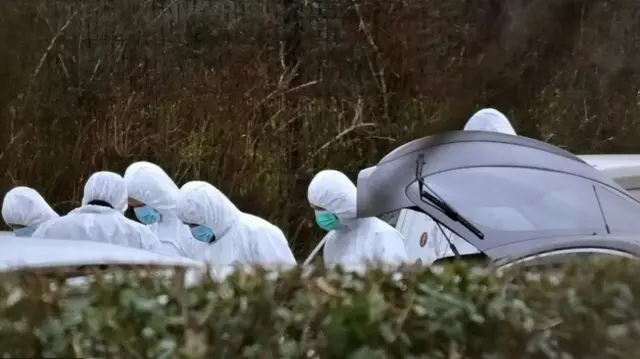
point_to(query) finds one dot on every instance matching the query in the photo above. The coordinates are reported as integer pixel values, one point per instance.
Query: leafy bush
(592, 311)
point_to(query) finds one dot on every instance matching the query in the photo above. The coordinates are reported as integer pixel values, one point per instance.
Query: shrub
(453, 312)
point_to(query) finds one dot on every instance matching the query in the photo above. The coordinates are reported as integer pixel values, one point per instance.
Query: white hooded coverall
(360, 241)
(24, 206)
(149, 184)
(490, 120)
(99, 222)
(240, 238)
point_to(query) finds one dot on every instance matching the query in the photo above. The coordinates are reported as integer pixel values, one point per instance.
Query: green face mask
(327, 220)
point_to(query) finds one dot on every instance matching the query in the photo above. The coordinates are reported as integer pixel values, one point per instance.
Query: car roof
(20, 252)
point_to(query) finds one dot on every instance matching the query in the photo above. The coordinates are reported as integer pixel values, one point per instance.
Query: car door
(415, 227)
(426, 241)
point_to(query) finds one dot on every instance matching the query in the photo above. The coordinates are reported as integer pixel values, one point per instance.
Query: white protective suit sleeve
(99, 222)
(25, 206)
(393, 255)
(490, 120)
(151, 185)
(272, 248)
(237, 235)
(359, 242)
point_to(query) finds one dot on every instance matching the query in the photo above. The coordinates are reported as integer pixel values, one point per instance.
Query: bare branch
(379, 73)
(52, 43)
(356, 124)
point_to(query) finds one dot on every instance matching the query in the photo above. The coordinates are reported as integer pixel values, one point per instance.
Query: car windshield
(521, 201)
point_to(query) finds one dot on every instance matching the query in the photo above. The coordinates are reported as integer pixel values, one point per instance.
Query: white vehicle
(624, 169)
(605, 162)
(51, 254)
(78, 260)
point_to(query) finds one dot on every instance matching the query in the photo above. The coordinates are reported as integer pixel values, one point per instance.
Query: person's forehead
(134, 202)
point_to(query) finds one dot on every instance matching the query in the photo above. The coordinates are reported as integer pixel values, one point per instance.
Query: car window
(520, 199)
(621, 212)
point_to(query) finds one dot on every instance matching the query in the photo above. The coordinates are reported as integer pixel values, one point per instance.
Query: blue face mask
(327, 220)
(147, 215)
(24, 232)
(203, 234)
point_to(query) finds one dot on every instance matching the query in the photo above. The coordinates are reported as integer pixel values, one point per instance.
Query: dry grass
(202, 89)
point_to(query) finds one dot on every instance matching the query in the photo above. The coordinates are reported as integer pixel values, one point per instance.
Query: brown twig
(52, 43)
(356, 124)
(379, 73)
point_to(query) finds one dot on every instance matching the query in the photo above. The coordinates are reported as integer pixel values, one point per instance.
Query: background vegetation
(590, 312)
(256, 96)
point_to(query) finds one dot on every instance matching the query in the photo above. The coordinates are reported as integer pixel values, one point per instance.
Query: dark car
(514, 199)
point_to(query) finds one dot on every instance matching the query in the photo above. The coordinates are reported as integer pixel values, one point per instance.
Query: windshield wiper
(439, 203)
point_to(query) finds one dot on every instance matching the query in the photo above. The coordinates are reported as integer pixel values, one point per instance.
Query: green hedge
(591, 311)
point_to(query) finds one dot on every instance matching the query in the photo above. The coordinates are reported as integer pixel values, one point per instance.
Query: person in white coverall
(24, 210)
(101, 217)
(153, 196)
(354, 243)
(490, 120)
(235, 238)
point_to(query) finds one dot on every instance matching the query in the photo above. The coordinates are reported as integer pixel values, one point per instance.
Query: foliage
(591, 311)
(203, 88)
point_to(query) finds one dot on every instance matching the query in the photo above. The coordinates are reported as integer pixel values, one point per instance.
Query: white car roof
(20, 252)
(624, 169)
(605, 162)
